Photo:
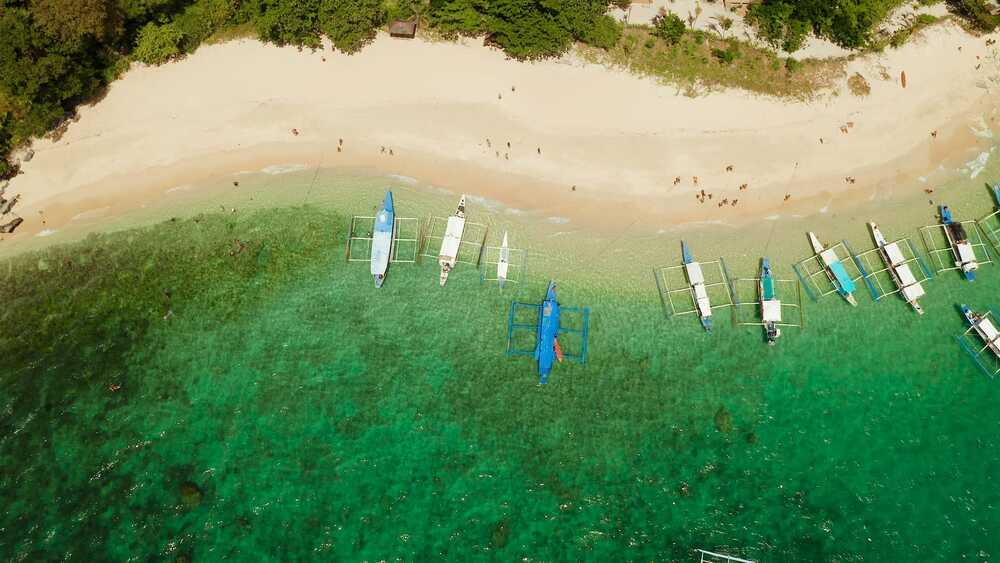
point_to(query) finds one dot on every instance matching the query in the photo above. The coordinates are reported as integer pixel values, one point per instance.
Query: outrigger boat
(503, 263)
(834, 270)
(382, 237)
(707, 284)
(548, 352)
(899, 269)
(546, 322)
(984, 326)
(965, 255)
(696, 279)
(452, 240)
(771, 308)
(770, 305)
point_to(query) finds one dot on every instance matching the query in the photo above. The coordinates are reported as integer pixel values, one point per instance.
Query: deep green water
(323, 420)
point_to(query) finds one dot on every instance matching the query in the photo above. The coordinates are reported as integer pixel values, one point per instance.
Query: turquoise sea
(274, 406)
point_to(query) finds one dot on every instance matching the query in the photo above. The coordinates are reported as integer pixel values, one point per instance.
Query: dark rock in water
(183, 558)
(751, 437)
(723, 420)
(684, 490)
(501, 534)
(190, 494)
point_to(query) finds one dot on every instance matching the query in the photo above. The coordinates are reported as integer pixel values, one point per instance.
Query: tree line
(849, 23)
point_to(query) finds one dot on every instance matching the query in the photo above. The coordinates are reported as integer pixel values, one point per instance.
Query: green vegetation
(851, 23)
(700, 62)
(902, 35)
(978, 14)
(527, 29)
(848, 23)
(158, 43)
(669, 26)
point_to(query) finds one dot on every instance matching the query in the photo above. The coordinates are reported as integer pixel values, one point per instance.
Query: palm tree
(724, 23)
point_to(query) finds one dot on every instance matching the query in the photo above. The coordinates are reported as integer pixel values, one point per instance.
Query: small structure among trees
(406, 29)
(739, 6)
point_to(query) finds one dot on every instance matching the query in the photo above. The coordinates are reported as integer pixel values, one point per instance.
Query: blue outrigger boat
(382, 236)
(547, 328)
(965, 256)
(547, 351)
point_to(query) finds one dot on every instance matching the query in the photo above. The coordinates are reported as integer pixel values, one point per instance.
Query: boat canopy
(843, 279)
(771, 311)
(958, 231)
(965, 252)
(896, 256)
(694, 273)
(767, 284)
(988, 330)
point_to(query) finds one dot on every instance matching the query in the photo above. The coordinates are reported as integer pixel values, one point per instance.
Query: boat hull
(382, 237)
(546, 350)
(451, 242)
(503, 263)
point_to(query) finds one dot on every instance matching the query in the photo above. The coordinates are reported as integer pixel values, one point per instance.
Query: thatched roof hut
(405, 29)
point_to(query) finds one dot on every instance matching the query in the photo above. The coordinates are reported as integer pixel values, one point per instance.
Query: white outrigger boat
(503, 263)
(956, 246)
(696, 279)
(983, 324)
(965, 255)
(452, 241)
(382, 237)
(835, 270)
(899, 269)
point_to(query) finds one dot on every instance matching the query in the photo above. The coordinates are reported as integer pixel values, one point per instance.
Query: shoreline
(622, 160)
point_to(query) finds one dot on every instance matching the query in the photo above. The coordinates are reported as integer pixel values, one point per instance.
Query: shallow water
(273, 405)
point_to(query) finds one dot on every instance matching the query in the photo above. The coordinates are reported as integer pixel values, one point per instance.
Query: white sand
(621, 139)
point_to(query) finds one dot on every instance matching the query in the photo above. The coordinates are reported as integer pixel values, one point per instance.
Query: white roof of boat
(452, 238)
(704, 307)
(694, 273)
(702, 301)
(829, 256)
(988, 330)
(771, 311)
(965, 252)
(913, 292)
(700, 292)
(895, 254)
(906, 275)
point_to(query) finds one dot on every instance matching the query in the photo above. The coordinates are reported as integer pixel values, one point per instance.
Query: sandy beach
(594, 143)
